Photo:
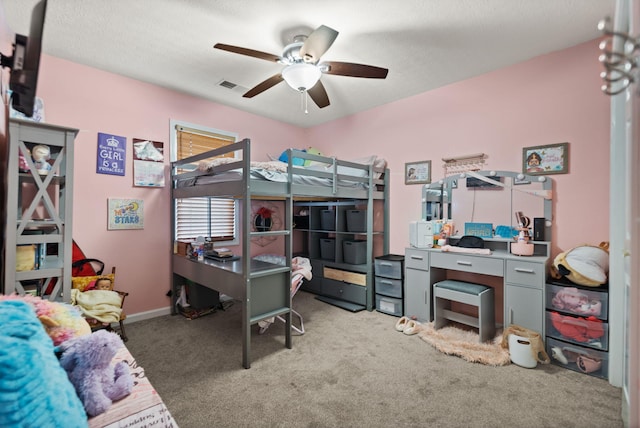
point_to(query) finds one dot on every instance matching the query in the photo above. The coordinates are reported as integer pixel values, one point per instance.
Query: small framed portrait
(417, 172)
(543, 160)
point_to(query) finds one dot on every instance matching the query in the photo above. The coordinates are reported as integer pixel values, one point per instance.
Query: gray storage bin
(328, 249)
(328, 220)
(356, 220)
(389, 305)
(389, 287)
(354, 252)
(389, 266)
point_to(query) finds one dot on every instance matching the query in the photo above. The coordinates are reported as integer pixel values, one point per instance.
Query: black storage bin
(201, 297)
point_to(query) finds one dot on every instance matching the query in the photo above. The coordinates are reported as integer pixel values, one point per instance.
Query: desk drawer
(345, 291)
(464, 263)
(416, 259)
(525, 273)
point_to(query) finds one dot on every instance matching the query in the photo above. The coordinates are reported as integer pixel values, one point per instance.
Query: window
(209, 217)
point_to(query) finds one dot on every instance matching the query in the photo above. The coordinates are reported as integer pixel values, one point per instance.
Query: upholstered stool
(445, 292)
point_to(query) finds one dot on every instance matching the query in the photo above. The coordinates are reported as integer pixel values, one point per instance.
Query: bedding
(142, 408)
(276, 171)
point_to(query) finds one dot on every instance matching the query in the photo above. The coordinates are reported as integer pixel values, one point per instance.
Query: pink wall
(94, 101)
(547, 100)
(550, 99)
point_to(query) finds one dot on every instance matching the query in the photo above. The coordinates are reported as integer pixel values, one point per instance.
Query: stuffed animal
(61, 321)
(41, 155)
(87, 361)
(584, 265)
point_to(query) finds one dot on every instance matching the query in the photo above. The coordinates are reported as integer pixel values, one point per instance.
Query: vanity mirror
(489, 197)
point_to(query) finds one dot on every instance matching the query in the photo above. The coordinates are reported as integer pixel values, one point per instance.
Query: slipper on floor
(402, 323)
(412, 327)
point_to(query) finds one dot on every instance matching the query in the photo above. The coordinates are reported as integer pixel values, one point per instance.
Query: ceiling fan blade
(319, 95)
(318, 43)
(247, 52)
(261, 87)
(355, 70)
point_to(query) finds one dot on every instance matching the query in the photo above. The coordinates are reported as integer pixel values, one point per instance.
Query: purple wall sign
(111, 154)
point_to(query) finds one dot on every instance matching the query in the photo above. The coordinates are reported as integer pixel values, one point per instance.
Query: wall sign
(125, 214)
(111, 154)
(148, 163)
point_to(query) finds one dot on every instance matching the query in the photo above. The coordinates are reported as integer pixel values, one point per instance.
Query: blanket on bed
(103, 305)
(34, 389)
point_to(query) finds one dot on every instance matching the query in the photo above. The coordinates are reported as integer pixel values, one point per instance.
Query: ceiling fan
(303, 68)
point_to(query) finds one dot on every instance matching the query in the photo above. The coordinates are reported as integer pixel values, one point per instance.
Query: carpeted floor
(351, 370)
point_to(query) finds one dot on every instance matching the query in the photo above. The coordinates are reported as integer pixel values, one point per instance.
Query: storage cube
(328, 220)
(328, 249)
(578, 358)
(354, 252)
(389, 266)
(590, 331)
(389, 287)
(389, 305)
(577, 301)
(356, 220)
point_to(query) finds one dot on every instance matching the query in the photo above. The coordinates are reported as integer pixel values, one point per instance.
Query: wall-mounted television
(25, 62)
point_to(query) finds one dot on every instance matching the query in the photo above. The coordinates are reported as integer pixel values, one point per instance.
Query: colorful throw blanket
(103, 305)
(34, 389)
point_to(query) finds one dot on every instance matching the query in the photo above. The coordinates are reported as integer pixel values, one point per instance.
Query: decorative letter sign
(111, 154)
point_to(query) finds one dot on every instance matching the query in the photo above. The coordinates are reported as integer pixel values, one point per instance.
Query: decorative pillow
(83, 283)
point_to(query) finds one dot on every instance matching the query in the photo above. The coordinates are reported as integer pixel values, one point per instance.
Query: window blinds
(209, 217)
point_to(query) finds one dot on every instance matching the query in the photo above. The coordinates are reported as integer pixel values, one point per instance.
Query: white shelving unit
(39, 212)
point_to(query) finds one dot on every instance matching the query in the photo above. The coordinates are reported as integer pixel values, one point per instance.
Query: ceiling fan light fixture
(301, 76)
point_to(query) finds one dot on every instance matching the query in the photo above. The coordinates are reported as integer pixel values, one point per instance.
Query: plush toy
(573, 300)
(41, 155)
(87, 361)
(584, 265)
(61, 321)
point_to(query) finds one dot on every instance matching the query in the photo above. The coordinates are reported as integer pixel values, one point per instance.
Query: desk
(263, 288)
(523, 279)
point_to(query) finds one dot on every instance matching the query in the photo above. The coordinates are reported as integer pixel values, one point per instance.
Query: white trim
(141, 316)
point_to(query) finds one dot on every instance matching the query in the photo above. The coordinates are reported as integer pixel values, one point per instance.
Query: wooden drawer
(465, 263)
(345, 291)
(525, 273)
(416, 259)
(346, 276)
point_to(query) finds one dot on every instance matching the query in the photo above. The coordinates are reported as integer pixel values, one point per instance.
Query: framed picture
(417, 172)
(125, 214)
(543, 160)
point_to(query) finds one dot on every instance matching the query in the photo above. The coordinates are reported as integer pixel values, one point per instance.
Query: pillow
(83, 283)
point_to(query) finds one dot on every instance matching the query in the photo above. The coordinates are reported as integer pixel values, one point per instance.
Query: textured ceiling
(425, 44)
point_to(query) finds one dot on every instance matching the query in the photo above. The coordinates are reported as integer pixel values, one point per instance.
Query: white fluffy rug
(465, 344)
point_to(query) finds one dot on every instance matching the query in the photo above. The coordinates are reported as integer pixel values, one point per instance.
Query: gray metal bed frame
(263, 288)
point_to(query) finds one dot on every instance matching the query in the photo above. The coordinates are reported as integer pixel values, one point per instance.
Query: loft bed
(264, 288)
